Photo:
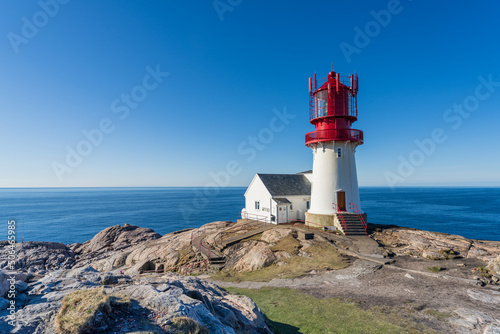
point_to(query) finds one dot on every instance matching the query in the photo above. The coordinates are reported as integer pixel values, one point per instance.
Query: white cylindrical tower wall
(331, 174)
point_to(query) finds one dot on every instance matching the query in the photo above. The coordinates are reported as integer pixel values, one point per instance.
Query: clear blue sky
(77, 65)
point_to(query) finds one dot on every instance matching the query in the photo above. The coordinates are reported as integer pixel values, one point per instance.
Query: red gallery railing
(334, 134)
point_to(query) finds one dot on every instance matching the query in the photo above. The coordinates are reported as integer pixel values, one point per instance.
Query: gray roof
(286, 184)
(282, 200)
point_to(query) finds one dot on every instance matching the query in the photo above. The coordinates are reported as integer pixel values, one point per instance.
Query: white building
(278, 198)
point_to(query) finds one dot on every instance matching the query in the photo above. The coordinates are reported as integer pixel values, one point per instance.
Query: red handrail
(363, 223)
(342, 221)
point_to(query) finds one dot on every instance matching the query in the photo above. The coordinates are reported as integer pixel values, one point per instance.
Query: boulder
(258, 257)
(407, 241)
(494, 267)
(40, 255)
(118, 237)
(274, 235)
(140, 267)
(20, 282)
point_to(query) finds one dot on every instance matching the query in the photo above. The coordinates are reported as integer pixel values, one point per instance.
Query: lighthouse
(334, 184)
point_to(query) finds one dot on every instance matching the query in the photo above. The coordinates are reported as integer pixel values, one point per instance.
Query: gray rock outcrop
(162, 298)
(38, 257)
(116, 238)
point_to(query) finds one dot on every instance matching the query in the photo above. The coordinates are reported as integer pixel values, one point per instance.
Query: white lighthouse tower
(334, 189)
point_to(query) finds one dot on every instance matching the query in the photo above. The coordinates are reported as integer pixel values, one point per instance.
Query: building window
(291, 207)
(308, 204)
(339, 153)
(257, 205)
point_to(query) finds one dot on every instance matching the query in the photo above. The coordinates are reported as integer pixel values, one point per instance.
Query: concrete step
(353, 224)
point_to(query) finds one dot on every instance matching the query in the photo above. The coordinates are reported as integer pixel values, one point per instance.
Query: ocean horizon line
(246, 186)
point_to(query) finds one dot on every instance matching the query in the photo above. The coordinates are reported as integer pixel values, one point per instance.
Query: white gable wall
(258, 192)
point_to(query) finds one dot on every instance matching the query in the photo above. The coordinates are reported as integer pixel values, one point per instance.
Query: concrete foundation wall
(317, 219)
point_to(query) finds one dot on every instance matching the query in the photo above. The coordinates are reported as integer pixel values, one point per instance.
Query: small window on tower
(308, 204)
(291, 207)
(257, 205)
(339, 153)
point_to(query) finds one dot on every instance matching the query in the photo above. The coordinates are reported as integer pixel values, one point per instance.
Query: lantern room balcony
(334, 135)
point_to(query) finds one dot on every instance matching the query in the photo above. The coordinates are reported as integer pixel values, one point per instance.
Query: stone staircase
(354, 226)
(213, 256)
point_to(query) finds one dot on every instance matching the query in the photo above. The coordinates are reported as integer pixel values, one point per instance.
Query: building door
(341, 200)
(283, 214)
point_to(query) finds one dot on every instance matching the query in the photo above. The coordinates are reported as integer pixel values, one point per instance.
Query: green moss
(440, 316)
(322, 257)
(484, 272)
(435, 269)
(449, 254)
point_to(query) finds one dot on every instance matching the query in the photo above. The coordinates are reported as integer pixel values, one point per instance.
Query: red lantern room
(333, 109)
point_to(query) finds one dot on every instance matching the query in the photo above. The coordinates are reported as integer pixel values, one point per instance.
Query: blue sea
(72, 215)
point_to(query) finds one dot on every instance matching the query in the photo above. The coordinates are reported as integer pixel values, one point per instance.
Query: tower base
(352, 221)
(318, 220)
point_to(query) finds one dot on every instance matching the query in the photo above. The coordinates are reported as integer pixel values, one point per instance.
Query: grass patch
(484, 272)
(288, 244)
(435, 269)
(185, 325)
(323, 257)
(79, 309)
(289, 311)
(440, 316)
(449, 254)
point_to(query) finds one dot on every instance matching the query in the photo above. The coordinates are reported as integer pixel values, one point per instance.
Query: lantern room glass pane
(321, 103)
